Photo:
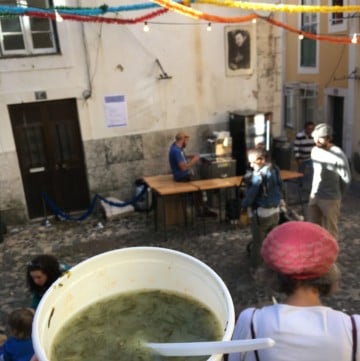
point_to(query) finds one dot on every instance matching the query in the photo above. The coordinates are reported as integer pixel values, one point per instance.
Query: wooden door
(337, 119)
(50, 153)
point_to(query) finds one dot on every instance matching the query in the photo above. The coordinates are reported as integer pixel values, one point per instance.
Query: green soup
(117, 327)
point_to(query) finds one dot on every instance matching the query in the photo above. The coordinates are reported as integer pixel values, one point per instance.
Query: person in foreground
(301, 260)
(19, 347)
(41, 273)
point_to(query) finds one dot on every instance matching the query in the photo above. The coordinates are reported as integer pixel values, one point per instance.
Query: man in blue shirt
(181, 169)
(179, 163)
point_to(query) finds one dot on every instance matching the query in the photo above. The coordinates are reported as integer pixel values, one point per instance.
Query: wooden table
(170, 199)
(216, 184)
(289, 175)
(164, 187)
(157, 180)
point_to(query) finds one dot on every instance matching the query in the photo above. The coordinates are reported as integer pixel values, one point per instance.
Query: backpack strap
(253, 335)
(354, 337)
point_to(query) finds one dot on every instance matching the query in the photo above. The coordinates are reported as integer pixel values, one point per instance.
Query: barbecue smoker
(218, 163)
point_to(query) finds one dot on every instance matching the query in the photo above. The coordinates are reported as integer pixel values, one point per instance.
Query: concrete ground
(221, 246)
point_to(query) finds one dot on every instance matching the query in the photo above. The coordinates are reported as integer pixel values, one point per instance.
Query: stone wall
(112, 164)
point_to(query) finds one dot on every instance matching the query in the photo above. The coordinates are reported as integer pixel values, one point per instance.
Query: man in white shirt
(331, 177)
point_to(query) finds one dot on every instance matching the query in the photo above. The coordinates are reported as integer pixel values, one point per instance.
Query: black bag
(284, 216)
(232, 209)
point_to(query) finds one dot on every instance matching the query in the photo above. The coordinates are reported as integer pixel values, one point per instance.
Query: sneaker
(210, 213)
(207, 213)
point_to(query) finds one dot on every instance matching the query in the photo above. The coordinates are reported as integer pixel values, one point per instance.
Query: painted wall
(332, 57)
(336, 62)
(99, 60)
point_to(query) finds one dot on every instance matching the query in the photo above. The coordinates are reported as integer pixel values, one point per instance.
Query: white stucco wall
(121, 60)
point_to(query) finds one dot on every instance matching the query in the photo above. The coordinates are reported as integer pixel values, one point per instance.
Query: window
(300, 104)
(308, 101)
(308, 47)
(24, 35)
(290, 106)
(336, 20)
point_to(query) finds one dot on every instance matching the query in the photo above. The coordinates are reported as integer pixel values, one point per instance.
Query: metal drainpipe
(2, 227)
(87, 92)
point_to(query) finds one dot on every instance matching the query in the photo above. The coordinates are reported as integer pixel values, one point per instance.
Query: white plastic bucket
(129, 269)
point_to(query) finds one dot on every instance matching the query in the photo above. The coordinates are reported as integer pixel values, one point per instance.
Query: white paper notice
(115, 111)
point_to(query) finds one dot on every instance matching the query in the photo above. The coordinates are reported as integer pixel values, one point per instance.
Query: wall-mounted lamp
(301, 36)
(208, 28)
(146, 27)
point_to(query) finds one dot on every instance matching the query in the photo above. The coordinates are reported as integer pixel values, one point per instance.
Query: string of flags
(159, 7)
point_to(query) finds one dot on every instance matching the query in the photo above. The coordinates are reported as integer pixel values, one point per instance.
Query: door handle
(60, 166)
(37, 169)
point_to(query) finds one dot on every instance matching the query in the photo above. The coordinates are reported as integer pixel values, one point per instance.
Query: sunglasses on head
(255, 160)
(34, 265)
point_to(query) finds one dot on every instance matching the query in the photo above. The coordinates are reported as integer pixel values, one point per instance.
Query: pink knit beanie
(301, 250)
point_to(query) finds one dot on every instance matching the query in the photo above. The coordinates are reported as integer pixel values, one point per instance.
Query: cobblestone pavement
(221, 246)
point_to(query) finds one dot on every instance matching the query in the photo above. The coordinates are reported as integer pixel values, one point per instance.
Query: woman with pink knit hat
(301, 259)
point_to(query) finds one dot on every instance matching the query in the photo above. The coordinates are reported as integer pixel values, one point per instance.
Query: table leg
(156, 204)
(164, 219)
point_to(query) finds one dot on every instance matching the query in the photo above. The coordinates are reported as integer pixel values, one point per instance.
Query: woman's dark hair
(49, 265)
(326, 284)
(288, 285)
(20, 322)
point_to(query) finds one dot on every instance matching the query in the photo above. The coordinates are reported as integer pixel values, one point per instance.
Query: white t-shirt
(331, 173)
(316, 333)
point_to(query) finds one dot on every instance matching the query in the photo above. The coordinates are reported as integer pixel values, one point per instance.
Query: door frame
(346, 127)
(53, 178)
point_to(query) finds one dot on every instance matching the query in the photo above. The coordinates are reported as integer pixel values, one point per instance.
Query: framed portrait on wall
(239, 49)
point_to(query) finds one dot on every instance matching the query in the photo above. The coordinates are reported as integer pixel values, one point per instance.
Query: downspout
(283, 72)
(88, 91)
(352, 111)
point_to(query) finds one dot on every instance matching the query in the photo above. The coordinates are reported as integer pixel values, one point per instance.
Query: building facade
(321, 78)
(89, 107)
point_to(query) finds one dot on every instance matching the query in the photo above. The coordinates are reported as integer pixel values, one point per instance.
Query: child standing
(18, 346)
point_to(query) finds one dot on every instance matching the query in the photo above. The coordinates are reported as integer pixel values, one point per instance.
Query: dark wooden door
(50, 152)
(337, 118)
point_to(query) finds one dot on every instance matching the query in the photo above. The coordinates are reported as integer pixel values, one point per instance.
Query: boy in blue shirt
(262, 200)
(18, 346)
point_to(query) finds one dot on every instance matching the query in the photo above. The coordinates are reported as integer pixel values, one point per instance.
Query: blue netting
(60, 213)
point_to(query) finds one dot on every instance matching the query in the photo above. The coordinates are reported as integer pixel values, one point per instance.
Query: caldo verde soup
(117, 327)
